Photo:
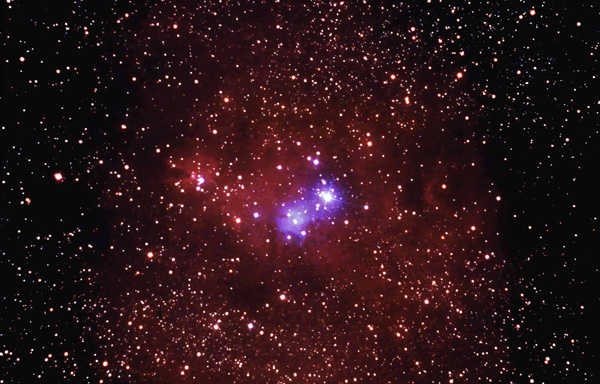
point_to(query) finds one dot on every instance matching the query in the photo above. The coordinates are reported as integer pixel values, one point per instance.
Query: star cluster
(298, 192)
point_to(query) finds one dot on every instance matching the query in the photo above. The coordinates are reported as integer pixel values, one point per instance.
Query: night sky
(299, 192)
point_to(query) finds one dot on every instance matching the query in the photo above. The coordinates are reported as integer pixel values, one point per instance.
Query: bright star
(327, 196)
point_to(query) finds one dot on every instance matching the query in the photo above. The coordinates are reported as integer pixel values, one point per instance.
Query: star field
(299, 192)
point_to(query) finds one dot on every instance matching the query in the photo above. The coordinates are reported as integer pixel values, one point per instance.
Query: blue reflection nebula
(296, 218)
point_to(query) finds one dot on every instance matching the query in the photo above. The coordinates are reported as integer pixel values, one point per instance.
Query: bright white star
(327, 196)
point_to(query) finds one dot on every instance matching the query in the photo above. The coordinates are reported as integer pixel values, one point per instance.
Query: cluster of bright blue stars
(296, 218)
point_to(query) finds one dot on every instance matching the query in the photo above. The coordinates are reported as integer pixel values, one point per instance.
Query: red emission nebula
(299, 196)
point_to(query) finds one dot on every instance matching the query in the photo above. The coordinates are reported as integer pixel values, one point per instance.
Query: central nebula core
(313, 206)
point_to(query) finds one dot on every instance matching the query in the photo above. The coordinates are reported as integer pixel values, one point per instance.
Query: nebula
(311, 189)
